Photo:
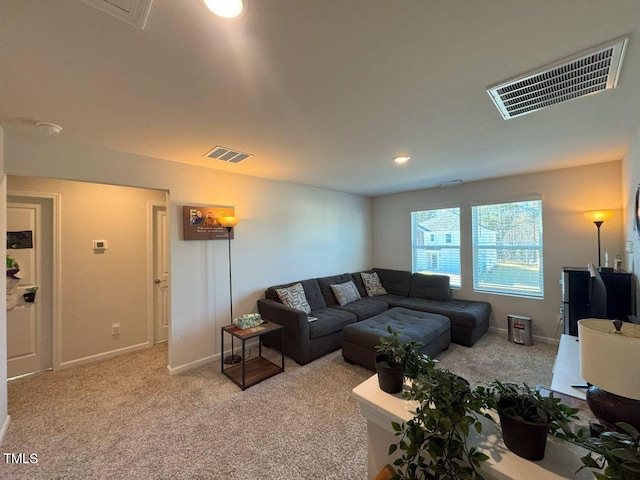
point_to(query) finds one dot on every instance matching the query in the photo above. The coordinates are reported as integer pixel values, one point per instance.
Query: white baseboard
(190, 365)
(104, 356)
(5, 427)
(535, 338)
(202, 361)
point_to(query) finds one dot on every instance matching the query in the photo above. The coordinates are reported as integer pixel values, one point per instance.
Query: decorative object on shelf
(609, 359)
(248, 320)
(229, 222)
(598, 217)
(12, 267)
(527, 416)
(29, 294)
(203, 222)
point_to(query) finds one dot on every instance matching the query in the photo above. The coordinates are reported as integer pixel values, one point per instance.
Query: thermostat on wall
(100, 245)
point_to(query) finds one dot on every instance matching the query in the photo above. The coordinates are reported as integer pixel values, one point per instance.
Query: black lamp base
(611, 409)
(232, 359)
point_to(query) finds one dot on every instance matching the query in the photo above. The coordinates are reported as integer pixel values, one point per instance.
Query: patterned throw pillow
(294, 297)
(346, 292)
(372, 284)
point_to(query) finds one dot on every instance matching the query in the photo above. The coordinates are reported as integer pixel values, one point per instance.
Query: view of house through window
(435, 237)
(507, 248)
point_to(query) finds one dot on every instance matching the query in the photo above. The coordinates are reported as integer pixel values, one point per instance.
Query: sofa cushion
(430, 287)
(325, 287)
(294, 297)
(357, 280)
(311, 291)
(345, 292)
(364, 308)
(329, 320)
(396, 282)
(372, 284)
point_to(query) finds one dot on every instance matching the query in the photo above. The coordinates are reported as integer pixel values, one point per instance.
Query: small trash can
(519, 329)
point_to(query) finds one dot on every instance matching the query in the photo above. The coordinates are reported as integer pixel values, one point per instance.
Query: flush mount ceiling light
(50, 128)
(401, 159)
(225, 8)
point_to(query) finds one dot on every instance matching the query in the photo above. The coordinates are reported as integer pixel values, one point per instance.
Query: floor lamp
(598, 217)
(229, 223)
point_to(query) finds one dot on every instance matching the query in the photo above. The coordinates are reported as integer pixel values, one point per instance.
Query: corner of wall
(4, 410)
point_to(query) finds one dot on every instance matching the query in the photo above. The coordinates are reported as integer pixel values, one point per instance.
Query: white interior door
(161, 290)
(29, 334)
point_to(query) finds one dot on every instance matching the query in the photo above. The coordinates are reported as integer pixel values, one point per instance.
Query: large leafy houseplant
(433, 444)
(394, 360)
(527, 417)
(621, 449)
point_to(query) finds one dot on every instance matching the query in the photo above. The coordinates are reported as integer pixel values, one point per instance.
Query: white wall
(99, 289)
(569, 239)
(287, 232)
(630, 179)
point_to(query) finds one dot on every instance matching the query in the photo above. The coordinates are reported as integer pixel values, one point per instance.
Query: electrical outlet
(115, 329)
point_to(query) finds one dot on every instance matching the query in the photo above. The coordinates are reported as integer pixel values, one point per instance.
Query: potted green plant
(527, 417)
(393, 360)
(433, 445)
(621, 450)
(12, 267)
(29, 294)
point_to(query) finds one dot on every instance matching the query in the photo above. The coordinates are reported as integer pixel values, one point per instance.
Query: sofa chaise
(314, 327)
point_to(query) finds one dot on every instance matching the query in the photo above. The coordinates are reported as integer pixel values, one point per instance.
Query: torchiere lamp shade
(228, 222)
(598, 215)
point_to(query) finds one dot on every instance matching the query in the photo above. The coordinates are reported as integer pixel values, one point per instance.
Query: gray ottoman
(359, 340)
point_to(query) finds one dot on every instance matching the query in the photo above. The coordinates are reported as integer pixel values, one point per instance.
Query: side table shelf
(249, 372)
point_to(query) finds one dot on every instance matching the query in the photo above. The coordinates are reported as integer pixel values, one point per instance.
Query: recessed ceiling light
(401, 159)
(225, 8)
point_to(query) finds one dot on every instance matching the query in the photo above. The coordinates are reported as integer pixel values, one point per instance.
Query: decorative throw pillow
(345, 292)
(294, 297)
(372, 284)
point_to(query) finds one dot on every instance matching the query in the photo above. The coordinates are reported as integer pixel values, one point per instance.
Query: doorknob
(157, 280)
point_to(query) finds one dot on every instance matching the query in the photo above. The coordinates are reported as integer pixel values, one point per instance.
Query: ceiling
(321, 92)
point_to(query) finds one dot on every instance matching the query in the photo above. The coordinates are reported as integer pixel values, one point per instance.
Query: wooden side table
(252, 371)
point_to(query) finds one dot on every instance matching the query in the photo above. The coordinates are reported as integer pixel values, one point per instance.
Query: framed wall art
(202, 222)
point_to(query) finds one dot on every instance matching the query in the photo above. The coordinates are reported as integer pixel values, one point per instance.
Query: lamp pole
(229, 223)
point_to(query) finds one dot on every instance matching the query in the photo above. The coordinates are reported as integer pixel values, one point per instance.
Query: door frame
(56, 294)
(151, 209)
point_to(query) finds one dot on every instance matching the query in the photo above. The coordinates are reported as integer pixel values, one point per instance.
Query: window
(507, 248)
(435, 237)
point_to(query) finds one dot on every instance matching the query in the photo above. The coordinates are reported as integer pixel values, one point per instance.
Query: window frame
(433, 245)
(530, 290)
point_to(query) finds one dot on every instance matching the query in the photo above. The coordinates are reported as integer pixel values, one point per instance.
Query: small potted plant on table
(394, 360)
(621, 450)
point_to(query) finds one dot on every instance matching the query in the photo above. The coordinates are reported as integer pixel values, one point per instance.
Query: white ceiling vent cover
(584, 74)
(133, 12)
(227, 155)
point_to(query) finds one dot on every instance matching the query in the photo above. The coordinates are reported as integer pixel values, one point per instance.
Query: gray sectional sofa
(307, 340)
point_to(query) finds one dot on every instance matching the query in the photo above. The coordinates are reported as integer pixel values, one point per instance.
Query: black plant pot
(525, 439)
(29, 297)
(390, 379)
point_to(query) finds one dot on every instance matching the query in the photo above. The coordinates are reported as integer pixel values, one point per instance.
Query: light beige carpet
(126, 418)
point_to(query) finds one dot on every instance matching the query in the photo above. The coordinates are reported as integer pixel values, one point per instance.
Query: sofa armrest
(296, 327)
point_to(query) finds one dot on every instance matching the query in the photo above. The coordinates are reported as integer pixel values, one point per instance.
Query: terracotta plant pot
(390, 379)
(525, 439)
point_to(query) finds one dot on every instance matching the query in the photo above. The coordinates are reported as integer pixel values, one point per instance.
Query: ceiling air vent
(584, 74)
(133, 12)
(227, 155)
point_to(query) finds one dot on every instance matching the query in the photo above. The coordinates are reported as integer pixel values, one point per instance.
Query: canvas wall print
(202, 222)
